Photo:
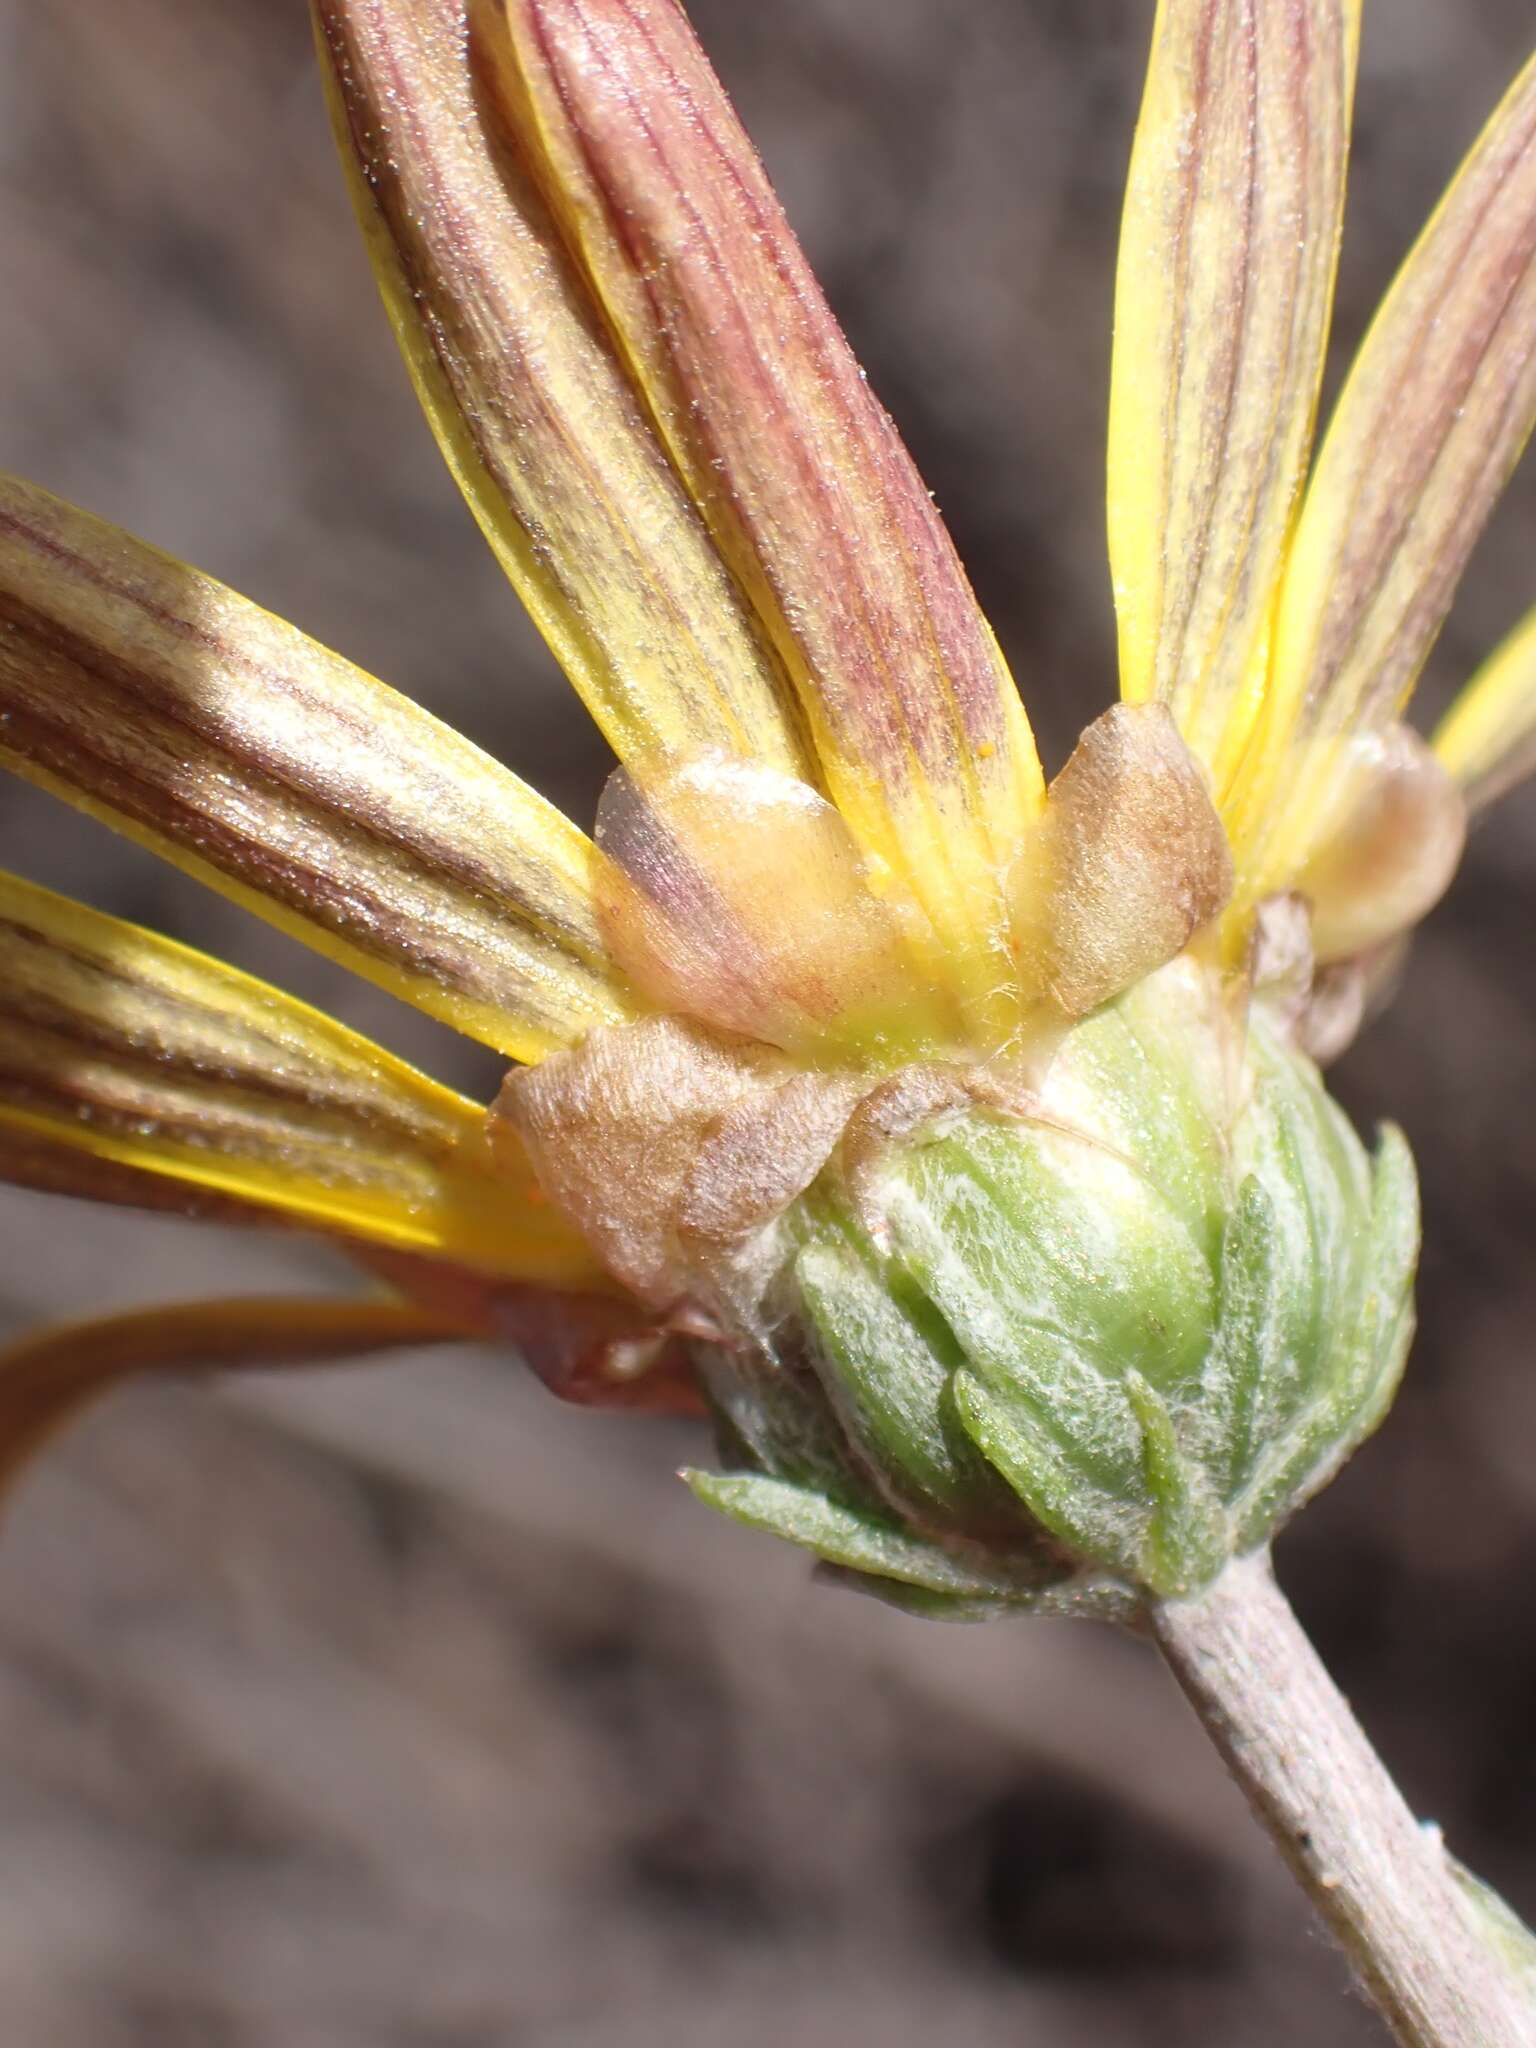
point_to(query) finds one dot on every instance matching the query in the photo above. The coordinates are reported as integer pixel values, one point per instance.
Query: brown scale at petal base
(669, 1147)
(1128, 861)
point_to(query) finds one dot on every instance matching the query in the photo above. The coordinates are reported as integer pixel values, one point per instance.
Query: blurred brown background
(406, 1709)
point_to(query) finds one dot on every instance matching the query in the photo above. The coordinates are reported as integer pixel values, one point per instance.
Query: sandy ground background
(405, 1709)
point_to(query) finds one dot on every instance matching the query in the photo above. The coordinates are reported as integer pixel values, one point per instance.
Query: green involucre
(1071, 1358)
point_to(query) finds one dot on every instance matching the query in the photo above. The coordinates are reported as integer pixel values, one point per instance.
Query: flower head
(949, 1136)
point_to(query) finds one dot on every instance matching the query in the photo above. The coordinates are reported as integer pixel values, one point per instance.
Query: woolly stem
(1382, 1883)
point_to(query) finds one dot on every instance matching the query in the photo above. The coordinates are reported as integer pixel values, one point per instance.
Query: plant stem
(1382, 1883)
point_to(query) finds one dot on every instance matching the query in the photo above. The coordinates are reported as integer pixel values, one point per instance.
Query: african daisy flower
(954, 1140)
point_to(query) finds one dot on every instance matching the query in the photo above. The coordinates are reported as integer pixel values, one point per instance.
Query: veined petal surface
(149, 1060)
(1432, 418)
(1488, 737)
(34, 1154)
(47, 1376)
(805, 484)
(534, 413)
(272, 769)
(1227, 258)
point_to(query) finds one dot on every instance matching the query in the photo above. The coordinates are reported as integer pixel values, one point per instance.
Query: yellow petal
(34, 1155)
(534, 414)
(1488, 737)
(1227, 258)
(49, 1375)
(140, 1056)
(737, 896)
(273, 770)
(1430, 422)
(920, 736)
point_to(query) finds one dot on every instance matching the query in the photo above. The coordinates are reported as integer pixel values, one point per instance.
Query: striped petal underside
(1228, 252)
(534, 413)
(45, 1157)
(272, 769)
(1432, 418)
(1488, 737)
(132, 1069)
(812, 499)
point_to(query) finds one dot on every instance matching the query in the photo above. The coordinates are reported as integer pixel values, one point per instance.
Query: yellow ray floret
(272, 769)
(536, 417)
(918, 732)
(1488, 737)
(47, 1157)
(1227, 258)
(1433, 416)
(145, 1058)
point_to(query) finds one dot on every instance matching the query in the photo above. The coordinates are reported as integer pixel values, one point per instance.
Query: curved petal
(1433, 416)
(48, 1376)
(534, 414)
(278, 773)
(148, 1062)
(1227, 257)
(1488, 737)
(800, 474)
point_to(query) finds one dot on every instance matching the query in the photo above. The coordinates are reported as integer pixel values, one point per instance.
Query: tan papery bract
(670, 1148)
(738, 896)
(764, 1151)
(1319, 1008)
(1128, 862)
(1403, 824)
(614, 1128)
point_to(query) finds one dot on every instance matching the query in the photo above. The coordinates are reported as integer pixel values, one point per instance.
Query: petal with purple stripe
(813, 500)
